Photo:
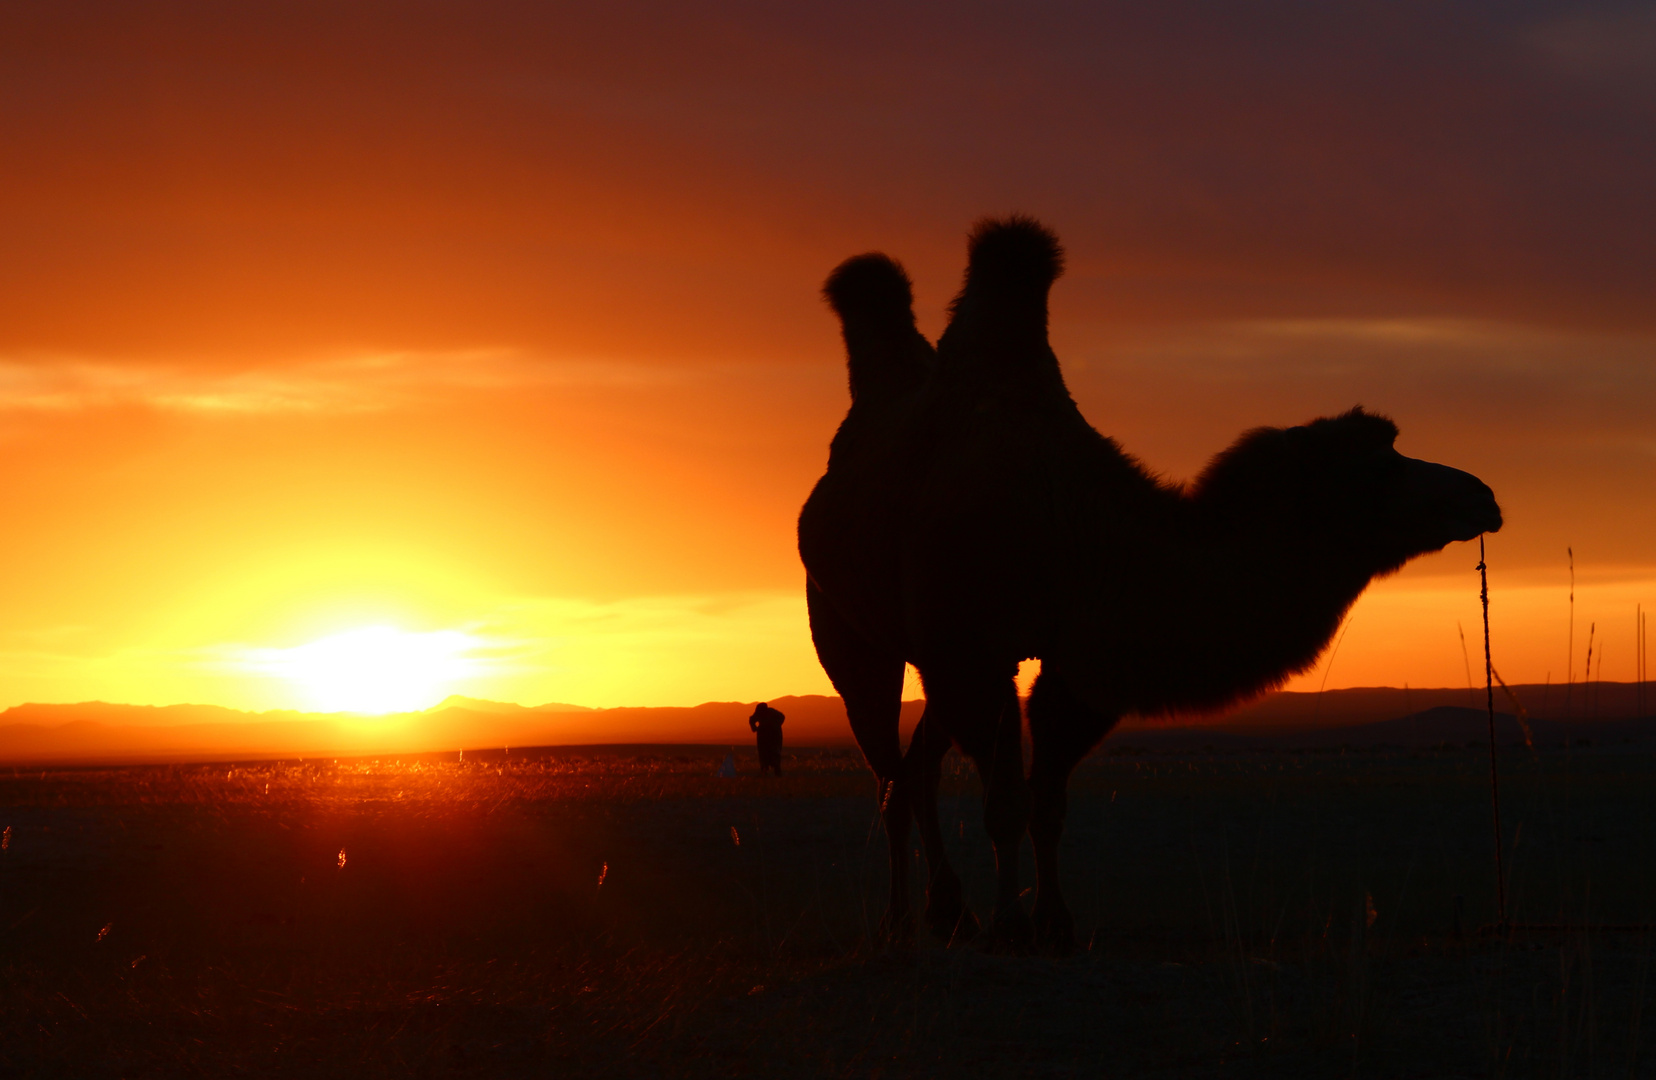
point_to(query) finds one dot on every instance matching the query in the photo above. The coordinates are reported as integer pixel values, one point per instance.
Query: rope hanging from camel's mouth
(1489, 695)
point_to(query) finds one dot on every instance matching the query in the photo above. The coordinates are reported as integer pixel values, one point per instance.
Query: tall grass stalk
(1333, 653)
(1466, 658)
(1489, 694)
(1569, 657)
(1639, 656)
(1587, 675)
(1518, 710)
(1598, 690)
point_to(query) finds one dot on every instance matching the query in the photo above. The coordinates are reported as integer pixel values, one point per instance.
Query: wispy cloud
(1509, 399)
(649, 650)
(1510, 346)
(365, 382)
(1613, 45)
(1426, 359)
(368, 668)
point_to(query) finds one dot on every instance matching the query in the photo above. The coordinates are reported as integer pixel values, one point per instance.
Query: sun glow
(375, 669)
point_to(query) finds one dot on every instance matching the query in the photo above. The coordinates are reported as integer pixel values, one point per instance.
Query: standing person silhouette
(767, 723)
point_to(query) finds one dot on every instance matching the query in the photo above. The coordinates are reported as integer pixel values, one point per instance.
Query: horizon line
(557, 706)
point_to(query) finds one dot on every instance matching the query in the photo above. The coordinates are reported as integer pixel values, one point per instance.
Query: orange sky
(501, 323)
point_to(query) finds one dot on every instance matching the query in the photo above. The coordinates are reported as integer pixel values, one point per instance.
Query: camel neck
(1245, 609)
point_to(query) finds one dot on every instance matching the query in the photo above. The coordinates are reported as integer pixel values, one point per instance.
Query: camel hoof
(896, 929)
(1010, 932)
(1055, 933)
(966, 928)
(946, 912)
(944, 918)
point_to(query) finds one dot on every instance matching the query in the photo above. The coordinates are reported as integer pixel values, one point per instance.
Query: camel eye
(1374, 472)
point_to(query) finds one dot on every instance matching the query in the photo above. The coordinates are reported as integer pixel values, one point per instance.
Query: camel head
(1337, 489)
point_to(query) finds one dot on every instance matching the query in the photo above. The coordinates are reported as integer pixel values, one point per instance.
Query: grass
(592, 913)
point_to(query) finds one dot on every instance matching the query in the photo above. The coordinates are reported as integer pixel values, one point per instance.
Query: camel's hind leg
(981, 714)
(1062, 731)
(871, 682)
(946, 912)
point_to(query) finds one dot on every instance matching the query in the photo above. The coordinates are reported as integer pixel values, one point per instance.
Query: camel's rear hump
(996, 343)
(1011, 258)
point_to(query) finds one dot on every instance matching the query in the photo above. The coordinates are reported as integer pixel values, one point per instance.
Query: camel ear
(1356, 431)
(1378, 429)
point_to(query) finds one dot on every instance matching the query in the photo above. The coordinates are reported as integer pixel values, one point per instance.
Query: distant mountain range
(100, 732)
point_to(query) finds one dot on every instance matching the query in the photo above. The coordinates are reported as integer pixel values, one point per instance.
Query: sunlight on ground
(375, 669)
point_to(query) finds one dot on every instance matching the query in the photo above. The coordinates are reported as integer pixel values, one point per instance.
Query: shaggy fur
(971, 518)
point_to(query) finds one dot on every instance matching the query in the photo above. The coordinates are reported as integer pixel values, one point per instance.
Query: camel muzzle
(1455, 505)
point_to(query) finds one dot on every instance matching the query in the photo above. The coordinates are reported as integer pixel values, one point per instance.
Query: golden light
(375, 669)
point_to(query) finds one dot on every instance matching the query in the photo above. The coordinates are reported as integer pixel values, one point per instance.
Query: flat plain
(627, 912)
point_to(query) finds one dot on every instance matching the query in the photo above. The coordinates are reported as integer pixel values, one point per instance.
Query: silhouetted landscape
(624, 911)
(410, 412)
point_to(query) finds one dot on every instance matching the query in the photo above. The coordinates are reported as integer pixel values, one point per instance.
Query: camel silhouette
(970, 518)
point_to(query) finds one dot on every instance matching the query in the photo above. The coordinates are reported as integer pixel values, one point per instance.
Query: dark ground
(591, 913)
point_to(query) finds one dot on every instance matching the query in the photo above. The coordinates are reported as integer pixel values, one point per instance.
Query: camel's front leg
(1062, 731)
(946, 911)
(871, 683)
(982, 716)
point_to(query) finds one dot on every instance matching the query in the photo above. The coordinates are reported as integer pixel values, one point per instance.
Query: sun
(376, 669)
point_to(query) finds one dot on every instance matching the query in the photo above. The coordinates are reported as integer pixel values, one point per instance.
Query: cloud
(657, 650)
(656, 177)
(1510, 345)
(367, 382)
(640, 651)
(1556, 421)
(1557, 383)
(1615, 46)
